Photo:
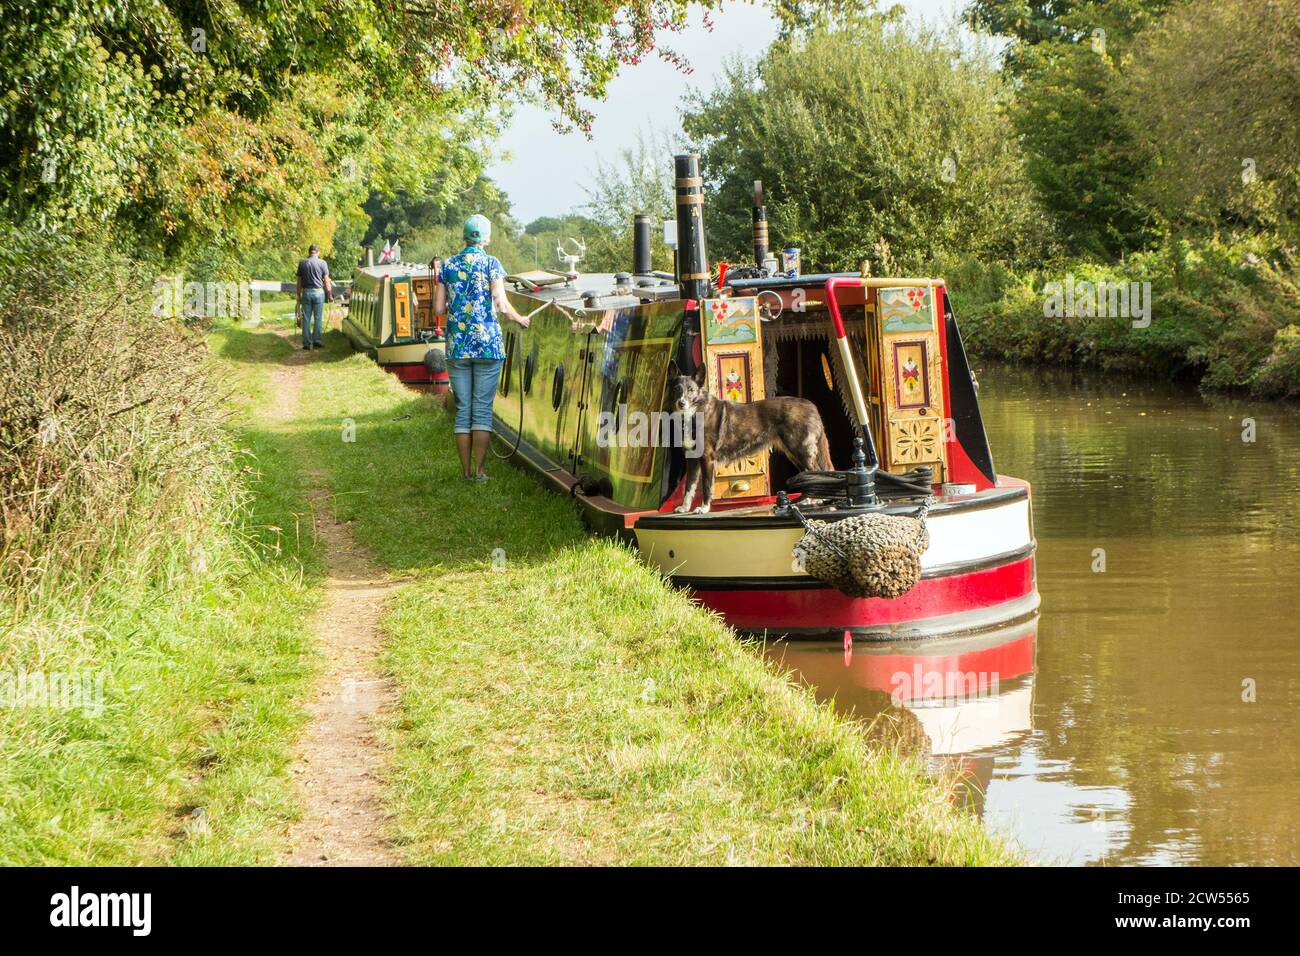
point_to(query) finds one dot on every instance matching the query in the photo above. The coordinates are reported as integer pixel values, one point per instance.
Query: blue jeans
(313, 313)
(474, 381)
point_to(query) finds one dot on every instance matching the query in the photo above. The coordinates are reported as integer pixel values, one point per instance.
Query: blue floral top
(472, 327)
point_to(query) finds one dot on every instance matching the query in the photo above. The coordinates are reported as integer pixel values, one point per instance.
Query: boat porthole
(530, 366)
(557, 386)
(672, 553)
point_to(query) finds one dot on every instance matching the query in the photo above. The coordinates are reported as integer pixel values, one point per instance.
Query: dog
(727, 431)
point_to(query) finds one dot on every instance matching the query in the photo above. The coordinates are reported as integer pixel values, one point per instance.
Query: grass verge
(183, 757)
(560, 704)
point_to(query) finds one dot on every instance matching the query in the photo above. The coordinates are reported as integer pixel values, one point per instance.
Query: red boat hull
(987, 597)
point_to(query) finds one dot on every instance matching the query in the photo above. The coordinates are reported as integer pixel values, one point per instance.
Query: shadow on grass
(271, 342)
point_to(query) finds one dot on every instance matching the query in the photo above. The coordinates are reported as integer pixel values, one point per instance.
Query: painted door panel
(911, 366)
(733, 355)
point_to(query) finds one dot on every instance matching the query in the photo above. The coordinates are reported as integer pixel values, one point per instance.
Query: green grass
(203, 665)
(560, 704)
(276, 307)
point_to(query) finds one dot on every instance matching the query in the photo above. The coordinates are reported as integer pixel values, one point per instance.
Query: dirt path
(339, 760)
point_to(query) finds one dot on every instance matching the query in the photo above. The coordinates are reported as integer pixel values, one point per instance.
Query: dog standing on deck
(728, 431)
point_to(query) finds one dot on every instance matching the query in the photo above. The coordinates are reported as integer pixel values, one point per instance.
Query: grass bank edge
(1224, 314)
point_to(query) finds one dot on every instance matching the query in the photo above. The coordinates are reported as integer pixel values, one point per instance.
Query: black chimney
(760, 225)
(641, 265)
(692, 257)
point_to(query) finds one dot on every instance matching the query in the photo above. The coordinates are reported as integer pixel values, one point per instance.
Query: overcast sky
(542, 171)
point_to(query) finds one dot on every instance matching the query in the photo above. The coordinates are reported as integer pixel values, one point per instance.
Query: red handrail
(831, 285)
(855, 387)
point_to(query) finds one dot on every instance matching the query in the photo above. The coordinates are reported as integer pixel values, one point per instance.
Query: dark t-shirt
(312, 273)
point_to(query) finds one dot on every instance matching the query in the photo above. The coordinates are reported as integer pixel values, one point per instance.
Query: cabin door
(733, 359)
(401, 308)
(913, 381)
(423, 290)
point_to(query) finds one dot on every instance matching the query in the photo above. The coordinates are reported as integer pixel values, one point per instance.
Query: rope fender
(866, 555)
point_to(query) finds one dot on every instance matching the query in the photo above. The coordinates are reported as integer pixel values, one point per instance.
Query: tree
(639, 181)
(1083, 152)
(205, 94)
(1035, 25)
(404, 212)
(1215, 91)
(572, 223)
(431, 223)
(808, 16)
(1084, 155)
(876, 141)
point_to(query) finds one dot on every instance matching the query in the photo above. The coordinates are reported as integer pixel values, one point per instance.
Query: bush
(110, 424)
(1218, 314)
(1280, 376)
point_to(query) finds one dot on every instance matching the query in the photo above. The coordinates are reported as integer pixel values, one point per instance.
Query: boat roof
(383, 270)
(591, 289)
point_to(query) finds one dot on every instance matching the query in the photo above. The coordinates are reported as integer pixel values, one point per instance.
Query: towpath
(340, 759)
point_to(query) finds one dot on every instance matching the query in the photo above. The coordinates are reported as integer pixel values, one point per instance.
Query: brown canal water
(1156, 717)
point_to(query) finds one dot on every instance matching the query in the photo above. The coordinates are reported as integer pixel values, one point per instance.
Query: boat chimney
(760, 225)
(692, 257)
(370, 255)
(641, 264)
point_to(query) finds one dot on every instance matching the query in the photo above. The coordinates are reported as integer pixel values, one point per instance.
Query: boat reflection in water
(967, 697)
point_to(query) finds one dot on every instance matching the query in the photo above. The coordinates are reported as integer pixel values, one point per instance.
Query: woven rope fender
(869, 555)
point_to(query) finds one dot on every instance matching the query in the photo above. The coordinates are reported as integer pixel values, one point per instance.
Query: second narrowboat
(390, 317)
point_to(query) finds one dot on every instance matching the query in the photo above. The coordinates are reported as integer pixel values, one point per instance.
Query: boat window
(511, 344)
(557, 386)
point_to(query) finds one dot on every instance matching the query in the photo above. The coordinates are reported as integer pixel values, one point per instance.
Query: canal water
(1153, 715)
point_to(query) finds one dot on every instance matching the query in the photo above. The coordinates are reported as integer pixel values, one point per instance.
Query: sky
(542, 171)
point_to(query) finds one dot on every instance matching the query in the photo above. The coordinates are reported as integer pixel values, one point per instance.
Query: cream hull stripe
(955, 538)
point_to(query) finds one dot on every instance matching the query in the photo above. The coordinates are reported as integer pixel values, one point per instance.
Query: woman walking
(470, 284)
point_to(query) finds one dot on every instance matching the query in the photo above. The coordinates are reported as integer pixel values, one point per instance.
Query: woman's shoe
(479, 478)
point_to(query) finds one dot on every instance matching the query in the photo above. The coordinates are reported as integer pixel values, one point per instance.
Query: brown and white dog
(727, 431)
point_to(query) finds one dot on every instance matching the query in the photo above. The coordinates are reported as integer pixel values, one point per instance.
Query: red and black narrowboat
(584, 401)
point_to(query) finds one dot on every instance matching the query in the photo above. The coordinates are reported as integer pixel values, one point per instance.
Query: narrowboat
(390, 317)
(585, 401)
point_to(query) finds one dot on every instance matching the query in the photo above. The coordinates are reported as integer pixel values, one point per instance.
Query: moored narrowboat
(390, 317)
(586, 397)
